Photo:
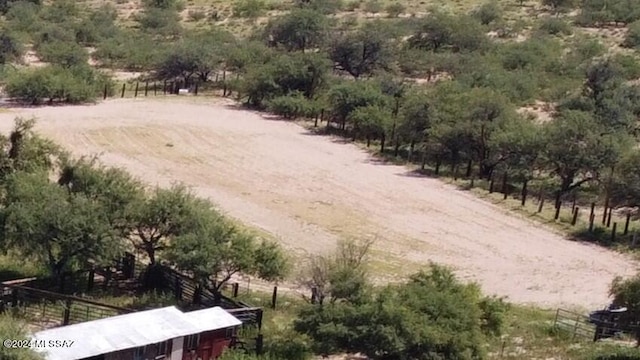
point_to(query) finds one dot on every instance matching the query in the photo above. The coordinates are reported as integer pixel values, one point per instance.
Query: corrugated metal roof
(131, 331)
(212, 319)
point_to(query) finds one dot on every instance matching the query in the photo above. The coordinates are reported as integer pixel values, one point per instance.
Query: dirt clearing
(309, 191)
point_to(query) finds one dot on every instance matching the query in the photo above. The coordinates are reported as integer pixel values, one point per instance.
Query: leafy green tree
(415, 120)
(433, 316)
(13, 328)
(115, 188)
(216, 251)
(286, 74)
(22, 17)
(576, 151)
(62, 230)
(25, 151)
(299, 30)
(10, 48)
(626, 293)
(625, 187)
(518, 146)
(65, 54)
(161, 217)
(440, 31)
(362, 52)
(346, 97)
(372, 122)
(99, 25)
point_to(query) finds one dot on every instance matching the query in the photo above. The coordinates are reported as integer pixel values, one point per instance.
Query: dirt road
(310, 190)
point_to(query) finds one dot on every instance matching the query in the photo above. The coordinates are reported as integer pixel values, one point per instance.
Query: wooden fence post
(613, 232)
(609, 217)
(437, 169)
(123, 89)
(164, 87)
(90, 279)
(146, 88)
(155, 89)
(504, 185)
(524, 193)
(259, 344)
(541, 205)
(491, 185)
(604, 215)
(592, 216)
(105, 92)
(136, 92)
(576, 210)
(236, 286)
(274, 297)
(626, 224)
(67, 312)
(557, 215)
(195, 92)
(469, 167)
(14, 297)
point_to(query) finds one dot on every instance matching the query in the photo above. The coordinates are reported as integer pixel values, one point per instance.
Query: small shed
(153, 334)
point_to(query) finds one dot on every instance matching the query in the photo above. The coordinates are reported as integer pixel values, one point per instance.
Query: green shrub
(372, 6)
(249, 8)
(633, 36)
(288, 345)
(290, 107)
(619, 353)
(77, 84)
(395, 9)
(629, 66)
(160, 21)
(554, 26)
(12, 328)
(23, 17)
(488, 12)
(65, 54)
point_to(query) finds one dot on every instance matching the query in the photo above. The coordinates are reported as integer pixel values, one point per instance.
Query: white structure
(153, 334)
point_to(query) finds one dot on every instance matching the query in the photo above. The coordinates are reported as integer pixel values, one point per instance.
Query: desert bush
(99, 25)
(13, 328)
(54, 83)
(372, 6)
(10, 48)
(554, 26)
(290, 106)
(395, 9)
(160, 21)
(65, 54)
(632, 40)
(22, 16)
(352, 5)
(488, 12)
(249, 8)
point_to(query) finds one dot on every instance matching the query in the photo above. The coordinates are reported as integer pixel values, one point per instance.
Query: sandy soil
(310, 190)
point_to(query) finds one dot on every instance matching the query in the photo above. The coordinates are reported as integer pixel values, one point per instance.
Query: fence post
(573, 205)
(626, 224)
(164, 87)
(178, 289)
(195, 92)
(105, 92)
(274, 297)
(259, 319)
(592, 216)
(314, 296)
(90, 279)
(437, 169)
(613, 232)
(124, 86)
(136, 92)
(575, 327)
(107, 278)
(155, 89)
(236, 286)
(524, 193)
(491, 185)
(315, 123)
(14, 297)
(146, 88)
(541, 204)
(575, 216)
(609, 217)
(504, 185)
(557, 215)
(67, 312)
(604, 215)
(259, 344)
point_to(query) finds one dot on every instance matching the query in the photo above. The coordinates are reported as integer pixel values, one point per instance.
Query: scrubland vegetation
(546, 94)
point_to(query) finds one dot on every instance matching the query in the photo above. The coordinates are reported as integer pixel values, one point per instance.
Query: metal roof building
(131, 331)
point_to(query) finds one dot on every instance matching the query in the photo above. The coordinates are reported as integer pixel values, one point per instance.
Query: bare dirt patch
(310, 190)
